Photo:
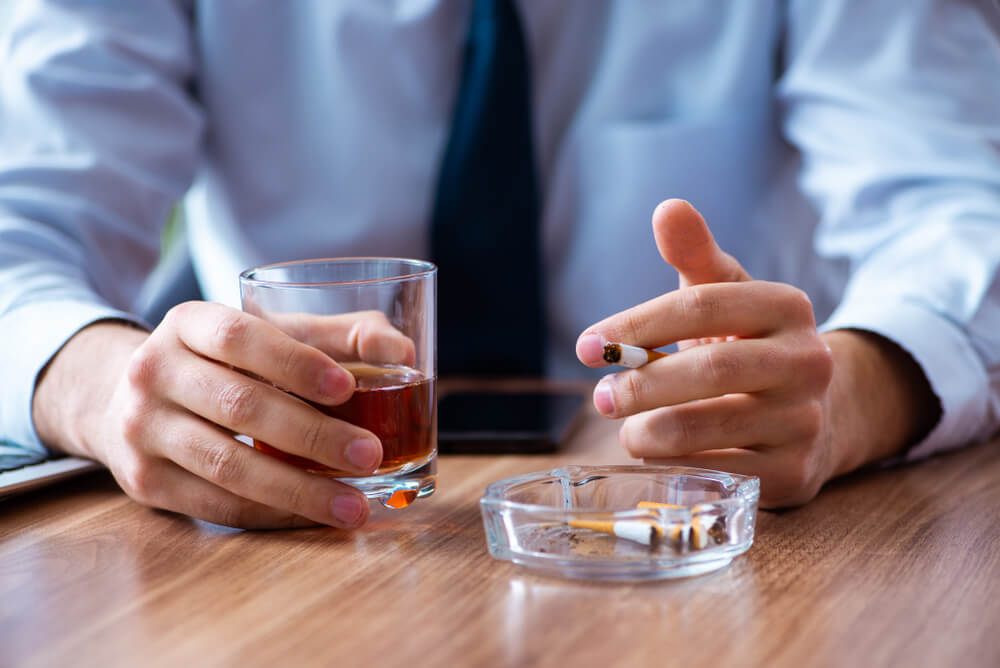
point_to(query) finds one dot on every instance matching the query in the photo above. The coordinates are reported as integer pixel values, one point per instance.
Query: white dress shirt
(851, 148)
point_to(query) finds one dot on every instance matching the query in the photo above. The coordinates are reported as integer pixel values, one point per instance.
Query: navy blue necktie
(484, 232)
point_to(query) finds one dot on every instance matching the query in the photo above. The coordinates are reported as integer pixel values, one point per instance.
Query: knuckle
(679, 432)
(632, 326)
(628, 438)
(181, 316)
(137, 477)
(784, 492)
(803, 473)
(631, 388)
(368, 327)
(700, 302)
(800, 480)
(222, 464)
(719, 366)
(290, 360)
(799, 305)
(296, 496)
(374, 318)
(314, 440)
(227, 512)
(231, 332)
(237, 403)
(367, 340)
(363, 335)
(812, 421)
(133, 422)
(733, 424)
(814, 364)
(771, 361)
(178, 312)
(636, 436)
(820, 363)
(143, 368)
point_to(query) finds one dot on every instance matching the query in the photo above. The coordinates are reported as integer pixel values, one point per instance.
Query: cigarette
(698, 533)
(631, 356)
(656, 504)
(646, 532)
(650, 532)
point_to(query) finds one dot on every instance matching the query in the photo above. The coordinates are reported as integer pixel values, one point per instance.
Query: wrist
(75, 387)
(880, 401)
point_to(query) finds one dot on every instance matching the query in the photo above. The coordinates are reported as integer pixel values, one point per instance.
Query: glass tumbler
(376, 318)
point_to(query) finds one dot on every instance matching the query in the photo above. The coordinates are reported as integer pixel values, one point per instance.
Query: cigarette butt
(698, 533)
(679, 535)
(631, 356)
(656, 504)
(718, 531)
(646, 532)
(699, 536)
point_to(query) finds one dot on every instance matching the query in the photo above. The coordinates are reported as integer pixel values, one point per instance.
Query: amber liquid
(397, 404)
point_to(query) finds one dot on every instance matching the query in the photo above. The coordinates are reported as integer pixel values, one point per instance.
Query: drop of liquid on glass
(401, 498)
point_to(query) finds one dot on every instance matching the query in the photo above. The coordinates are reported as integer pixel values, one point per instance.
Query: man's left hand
(754, 387)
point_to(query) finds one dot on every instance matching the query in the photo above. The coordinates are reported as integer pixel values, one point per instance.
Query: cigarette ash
(559, 540)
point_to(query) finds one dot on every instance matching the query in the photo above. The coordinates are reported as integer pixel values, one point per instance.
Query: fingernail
(604, 399)
(364, 454)
(348, 509)
(334, 383)
(590, 349)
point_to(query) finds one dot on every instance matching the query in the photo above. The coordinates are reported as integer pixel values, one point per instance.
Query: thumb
(684, 241)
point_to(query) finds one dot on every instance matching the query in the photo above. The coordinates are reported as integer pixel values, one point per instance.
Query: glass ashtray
(621, 522)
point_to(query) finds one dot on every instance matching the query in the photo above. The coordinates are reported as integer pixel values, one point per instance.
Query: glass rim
(426, 268)
(745, 488)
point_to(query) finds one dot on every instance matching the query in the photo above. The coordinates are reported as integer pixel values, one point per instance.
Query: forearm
(880, 402)
(75, 387)
(907, 190)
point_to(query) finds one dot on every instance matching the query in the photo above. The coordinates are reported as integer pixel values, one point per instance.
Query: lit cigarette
(631, 356)
(646, 532)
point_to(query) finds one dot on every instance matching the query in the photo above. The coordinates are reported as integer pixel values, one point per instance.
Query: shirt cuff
(955, 372)
(29, 337)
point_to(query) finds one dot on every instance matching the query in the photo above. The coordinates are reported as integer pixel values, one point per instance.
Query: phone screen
(505, 422)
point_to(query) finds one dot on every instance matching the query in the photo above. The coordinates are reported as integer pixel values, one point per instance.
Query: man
(846, 148)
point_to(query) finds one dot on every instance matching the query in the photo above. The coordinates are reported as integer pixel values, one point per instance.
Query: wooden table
(897, 567)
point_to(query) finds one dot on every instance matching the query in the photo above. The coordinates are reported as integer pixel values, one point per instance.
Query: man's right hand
(161, 410)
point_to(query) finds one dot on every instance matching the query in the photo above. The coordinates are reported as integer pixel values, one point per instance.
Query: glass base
(400, 489)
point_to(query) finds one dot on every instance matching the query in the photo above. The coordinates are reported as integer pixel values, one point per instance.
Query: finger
(365, 336)
(215, 456)
(703, 372)
(685, 241)
(247, 342)
(248, 406)
(731, 421)
(169, 487)
(743, 310)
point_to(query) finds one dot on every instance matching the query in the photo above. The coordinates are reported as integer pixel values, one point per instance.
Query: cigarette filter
(656, 504)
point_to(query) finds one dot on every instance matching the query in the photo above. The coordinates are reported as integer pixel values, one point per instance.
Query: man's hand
(161, 411)
(754, 388)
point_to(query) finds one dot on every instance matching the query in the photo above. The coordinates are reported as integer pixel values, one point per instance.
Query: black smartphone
(505, 422)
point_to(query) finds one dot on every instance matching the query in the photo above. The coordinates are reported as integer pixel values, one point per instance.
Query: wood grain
(892, 567)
